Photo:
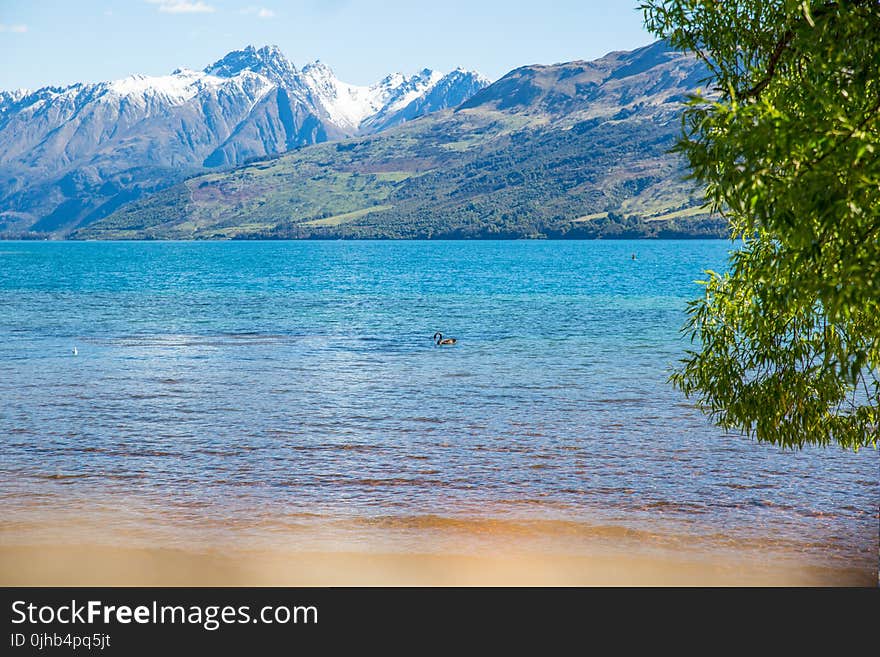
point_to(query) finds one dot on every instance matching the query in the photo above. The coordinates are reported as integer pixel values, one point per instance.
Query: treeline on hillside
(611, 227)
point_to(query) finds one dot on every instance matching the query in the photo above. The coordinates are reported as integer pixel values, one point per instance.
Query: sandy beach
(112, 546)
(94, 565)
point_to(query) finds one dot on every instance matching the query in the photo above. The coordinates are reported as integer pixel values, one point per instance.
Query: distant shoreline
(684, 238)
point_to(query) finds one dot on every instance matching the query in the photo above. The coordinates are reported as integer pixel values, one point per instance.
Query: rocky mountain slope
(70, 156)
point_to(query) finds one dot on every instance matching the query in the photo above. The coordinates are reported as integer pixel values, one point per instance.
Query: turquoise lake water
(260, 379)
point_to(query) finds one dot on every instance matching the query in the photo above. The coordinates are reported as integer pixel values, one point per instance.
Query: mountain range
(72, 155)
(252, 147)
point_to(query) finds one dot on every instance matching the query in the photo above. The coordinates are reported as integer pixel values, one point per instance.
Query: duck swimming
(440, 341)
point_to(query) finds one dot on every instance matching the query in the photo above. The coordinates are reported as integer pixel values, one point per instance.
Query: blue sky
(63, 41)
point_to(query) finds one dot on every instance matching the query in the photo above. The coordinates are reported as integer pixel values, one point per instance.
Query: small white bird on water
(75, 352)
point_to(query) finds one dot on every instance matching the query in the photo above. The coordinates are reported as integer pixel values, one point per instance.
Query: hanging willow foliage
(786, 140)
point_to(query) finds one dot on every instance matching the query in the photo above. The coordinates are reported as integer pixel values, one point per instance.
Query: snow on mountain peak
(251, 73)
(268, 61)
(352, 106)
(14, 96)
(10, 98)
(347, 105)
(176, 88)
(407, 89)
(318, 67)
(392, 80)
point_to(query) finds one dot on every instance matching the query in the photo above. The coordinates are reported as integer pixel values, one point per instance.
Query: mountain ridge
(71, 155)
(578, 149)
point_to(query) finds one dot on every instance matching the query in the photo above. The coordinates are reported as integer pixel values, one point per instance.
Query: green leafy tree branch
(787, 143)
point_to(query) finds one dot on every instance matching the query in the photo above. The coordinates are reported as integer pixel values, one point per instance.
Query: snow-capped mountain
(268, 61)
(71, 155)
(425, 92)
(358, 107)
(8, 98)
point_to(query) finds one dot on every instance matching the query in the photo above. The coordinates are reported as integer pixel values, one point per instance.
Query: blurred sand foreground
(112, 544)
(495, 562)
(84, 565)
